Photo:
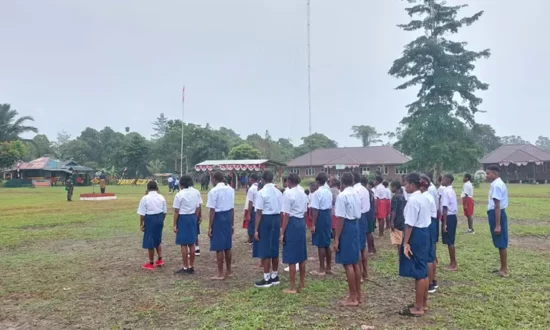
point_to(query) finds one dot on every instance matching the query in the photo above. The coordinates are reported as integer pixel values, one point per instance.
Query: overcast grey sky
(72, 64)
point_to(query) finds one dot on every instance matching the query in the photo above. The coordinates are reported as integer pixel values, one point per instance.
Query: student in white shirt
(293, 231)
(468, 201)
(187, 204)
(498, 220)
(364, 198)
(435, 225)
(199, 221)
(388, 197)
(449, 220)
(321, 224)
(371, 215)
(268, 227)
(382, 202)
(250, 214)
(346, 239)
(413, 258)
(403, 185)
(152, 212)
(221, 202)
(424, 188)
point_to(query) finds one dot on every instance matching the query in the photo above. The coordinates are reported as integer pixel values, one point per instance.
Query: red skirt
(334, 221)
(309, 219)
(245, 220)
(468, 205)
(382, 211)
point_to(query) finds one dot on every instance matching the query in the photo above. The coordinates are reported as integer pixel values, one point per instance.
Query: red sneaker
(159, 263)
(148, 266)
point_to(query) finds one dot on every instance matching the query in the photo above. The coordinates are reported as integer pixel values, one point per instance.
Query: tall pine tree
(436, 130)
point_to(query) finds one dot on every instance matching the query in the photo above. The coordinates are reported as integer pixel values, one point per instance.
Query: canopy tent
(245, 165)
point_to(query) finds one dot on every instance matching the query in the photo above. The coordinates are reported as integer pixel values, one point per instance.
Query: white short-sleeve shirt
(221, 198)
(417, 211)
(251, 194)
(380, 192)
(388, 193)
(152, 203)
(433, 206)
(498, 191)
(448, 199)
(348, 204)
(435, 195)
(364, 197)
(467, 190)
(294, 202)
(405, 193)
(321, 199)
(269, 200)
(187, 201)
(200, 196)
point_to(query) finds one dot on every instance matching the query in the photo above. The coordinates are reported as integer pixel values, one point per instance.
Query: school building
(520, 163)
(384, 160)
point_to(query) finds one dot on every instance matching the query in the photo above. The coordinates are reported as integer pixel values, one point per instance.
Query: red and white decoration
(228, 165)
(97, 197)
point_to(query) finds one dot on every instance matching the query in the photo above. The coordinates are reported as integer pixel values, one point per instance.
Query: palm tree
(155, 166)
(367, 134)
(12, 127)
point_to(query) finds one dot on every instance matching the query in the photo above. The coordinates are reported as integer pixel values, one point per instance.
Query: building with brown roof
(520, 163)
(368, 160)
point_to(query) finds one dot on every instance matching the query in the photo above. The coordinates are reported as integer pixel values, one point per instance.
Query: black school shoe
(182, 271)
(263, 284)
(190, 271)
(274, 281)
(431, 289)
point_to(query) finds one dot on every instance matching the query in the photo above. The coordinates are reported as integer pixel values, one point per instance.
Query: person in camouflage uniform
(69, 187)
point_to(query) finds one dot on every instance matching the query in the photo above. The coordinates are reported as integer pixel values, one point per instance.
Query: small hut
(520, 163)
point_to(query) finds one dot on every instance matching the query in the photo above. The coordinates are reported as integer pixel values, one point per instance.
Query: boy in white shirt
(468, 201)
(498, 221)
(449, 210)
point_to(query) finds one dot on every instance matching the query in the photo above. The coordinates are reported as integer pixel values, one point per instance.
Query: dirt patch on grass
(531, 243)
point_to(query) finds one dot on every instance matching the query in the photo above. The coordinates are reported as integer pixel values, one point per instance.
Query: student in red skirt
(381, 201)
(335, 190)
(468, 201)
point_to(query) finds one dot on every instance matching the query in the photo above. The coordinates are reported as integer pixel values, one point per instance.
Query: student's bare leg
(275, 264)
(503, 262)
(352, 286)
(471, 223)
(435, 253)
(357, 272)
(267, 266)
(159, 251)
(219, 261)
(431, 272)
(302, 266)
(364, 264)
(151, 255)
(322, 259)
(380, 227)
(228, 257)
(191, 249)
(328, 267)
(452, 257)
(418, 308)
(426, 286)
(370, 242)
(292, 279)
(184, 256)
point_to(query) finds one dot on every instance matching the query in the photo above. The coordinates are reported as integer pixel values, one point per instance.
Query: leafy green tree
(513, 139)
(244, 151)
(543, 142)
(160, 126)
(367, 134)
(155, 166)
(315, 141)
(41, 146)
(12, 126)
(485, 136)
(133, 154)
(11, 152)
(442, 69)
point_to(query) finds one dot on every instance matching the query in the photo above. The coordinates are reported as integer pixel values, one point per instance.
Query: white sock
(273, 274)
(197, 247)
(266, 276)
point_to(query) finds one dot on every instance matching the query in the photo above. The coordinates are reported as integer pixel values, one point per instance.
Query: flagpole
(182, 113)
(309, 78)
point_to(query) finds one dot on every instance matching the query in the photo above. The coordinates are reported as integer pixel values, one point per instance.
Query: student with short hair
(371, 214)
(496, 212)
(321, 229)
(268, 227)
(187, 204)
(397, 218)
(293, 232)
(413, 258)
(221, 202)
(381, 202)
(364, 198)
(424, 189)
(152, 212)
(468, 201)
(449, 223)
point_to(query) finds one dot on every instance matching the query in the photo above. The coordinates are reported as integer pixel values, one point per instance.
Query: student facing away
(496, 212)
(449, 220)
(321, 229)
(364, 198)
(152, 212)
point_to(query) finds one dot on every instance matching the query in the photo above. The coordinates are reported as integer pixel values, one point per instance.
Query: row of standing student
(416, 252)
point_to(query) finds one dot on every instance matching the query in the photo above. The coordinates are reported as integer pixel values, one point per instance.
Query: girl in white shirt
(152, 212)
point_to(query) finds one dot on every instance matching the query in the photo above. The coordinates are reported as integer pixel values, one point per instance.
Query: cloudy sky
(72, 64)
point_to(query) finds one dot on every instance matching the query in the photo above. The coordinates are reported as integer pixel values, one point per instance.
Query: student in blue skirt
(370, 215)
(293, 231)
(364, 197)
(221, 202)
(267, 230)
(152, 212)
(449, 209)
(187, 205)
(250, 212)
(321, 228)
(346, 240)
(496, 211)
(424, 186)
(413, 257)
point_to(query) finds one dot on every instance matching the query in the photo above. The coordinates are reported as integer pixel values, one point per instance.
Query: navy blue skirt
(370, 220)
(187, 229)
(252, 223)
(417, 266)
(348, 244)
(152, 236)
(363, 230)
(499, 241)
(434, 229)
(448, 238)
(323, 229)
(269, 231)
(295, 246)
(222, 232)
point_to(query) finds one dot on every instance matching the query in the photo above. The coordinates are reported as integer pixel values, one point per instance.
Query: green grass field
(77, 265)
